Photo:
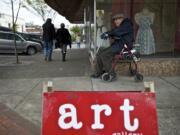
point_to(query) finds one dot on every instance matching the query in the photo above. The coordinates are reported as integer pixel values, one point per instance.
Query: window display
(145, 35)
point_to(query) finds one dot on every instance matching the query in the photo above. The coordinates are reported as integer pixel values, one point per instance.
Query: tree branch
(19, 6)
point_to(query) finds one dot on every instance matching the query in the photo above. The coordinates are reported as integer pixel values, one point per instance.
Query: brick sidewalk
(13, 124)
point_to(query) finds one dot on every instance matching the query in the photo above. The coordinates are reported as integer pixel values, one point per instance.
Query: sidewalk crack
(22, 100)
(169, 82)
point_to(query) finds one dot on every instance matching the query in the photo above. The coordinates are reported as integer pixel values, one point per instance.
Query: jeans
(48, 47)
(78, 44)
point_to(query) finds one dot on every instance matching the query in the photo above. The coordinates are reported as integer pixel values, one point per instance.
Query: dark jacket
(122, 34)
(63, 36)
(48, 31)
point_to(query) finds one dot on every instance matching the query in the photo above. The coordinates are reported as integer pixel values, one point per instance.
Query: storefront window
(162, 24)
(156, 29)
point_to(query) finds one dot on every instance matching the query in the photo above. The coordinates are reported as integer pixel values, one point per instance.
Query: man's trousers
(104, 59)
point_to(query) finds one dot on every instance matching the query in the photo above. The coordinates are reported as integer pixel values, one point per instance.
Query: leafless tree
(41, 8)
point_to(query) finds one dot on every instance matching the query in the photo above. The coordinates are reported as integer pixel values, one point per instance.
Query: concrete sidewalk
(21, 87)
(12, 123)
(24, 96)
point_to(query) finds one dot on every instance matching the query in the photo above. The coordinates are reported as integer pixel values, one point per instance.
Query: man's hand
(104, 35)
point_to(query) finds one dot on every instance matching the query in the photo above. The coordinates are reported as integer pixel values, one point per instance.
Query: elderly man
(122, 34)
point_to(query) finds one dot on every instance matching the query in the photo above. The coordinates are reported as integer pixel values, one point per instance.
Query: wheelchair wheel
(108, 77)
(138, 77)
(132, 68)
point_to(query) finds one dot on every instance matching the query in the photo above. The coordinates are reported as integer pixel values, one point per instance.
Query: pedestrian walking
(63, 38)
(78, 41)
(48, 37)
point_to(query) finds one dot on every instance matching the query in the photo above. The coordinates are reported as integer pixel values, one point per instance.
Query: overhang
(71, 9)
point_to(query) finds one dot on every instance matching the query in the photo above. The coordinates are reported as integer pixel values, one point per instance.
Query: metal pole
(85, 16)
(85, 27)
(95, 40)
(89, 28)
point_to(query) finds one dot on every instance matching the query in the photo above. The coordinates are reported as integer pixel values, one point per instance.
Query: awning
(71, 9)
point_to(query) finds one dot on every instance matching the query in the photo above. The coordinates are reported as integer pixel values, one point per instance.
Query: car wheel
(31, 51)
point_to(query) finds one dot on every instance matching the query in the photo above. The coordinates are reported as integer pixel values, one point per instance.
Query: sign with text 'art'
(99, 113)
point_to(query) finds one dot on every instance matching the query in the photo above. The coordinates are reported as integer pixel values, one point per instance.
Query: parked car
(32, 37)
(2, 28)
(23, 46)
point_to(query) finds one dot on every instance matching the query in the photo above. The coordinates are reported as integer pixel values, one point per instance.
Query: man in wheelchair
(122, 34)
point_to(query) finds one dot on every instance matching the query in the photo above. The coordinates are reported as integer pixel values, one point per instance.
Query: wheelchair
(130, 56)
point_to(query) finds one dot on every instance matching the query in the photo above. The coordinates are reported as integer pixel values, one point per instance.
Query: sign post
(99, 113)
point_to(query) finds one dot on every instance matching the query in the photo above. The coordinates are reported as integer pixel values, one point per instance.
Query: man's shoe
(95, 75)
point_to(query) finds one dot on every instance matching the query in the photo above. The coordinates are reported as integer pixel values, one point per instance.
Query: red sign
(99, 113)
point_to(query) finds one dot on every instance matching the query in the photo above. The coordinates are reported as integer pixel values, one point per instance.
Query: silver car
(23, 46)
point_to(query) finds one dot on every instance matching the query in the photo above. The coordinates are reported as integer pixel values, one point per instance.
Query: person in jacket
(122, 34)
(48, 37)
(63, 38)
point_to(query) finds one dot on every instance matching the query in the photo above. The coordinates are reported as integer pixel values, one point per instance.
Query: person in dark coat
(63, 38)
(122, 34)
(48, 37)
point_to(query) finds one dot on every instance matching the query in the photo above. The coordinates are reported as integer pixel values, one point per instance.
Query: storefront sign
(99, 113)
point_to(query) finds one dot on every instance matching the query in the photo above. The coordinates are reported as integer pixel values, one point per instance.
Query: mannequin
(101, 29)
(145, 35)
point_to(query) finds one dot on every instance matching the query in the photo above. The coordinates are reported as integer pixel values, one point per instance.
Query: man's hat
(119, 15)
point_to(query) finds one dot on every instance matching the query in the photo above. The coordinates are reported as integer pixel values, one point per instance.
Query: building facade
(31, 28)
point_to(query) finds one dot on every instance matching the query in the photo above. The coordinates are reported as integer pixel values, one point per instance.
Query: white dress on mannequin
(145, 35)
(101, 29)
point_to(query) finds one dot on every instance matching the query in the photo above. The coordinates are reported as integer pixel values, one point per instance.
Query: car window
(25, 36)
(3, 36)
(35, 36)
(10, 36)
(18, 38)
